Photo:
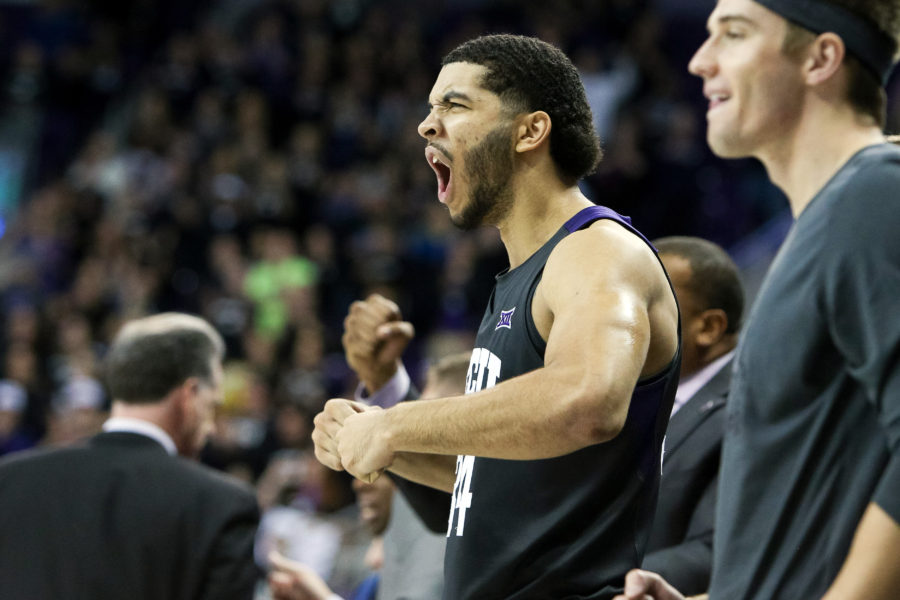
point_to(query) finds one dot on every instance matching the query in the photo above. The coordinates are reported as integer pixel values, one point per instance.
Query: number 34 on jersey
(484, 371)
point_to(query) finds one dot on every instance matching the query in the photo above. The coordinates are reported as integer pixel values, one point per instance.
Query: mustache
(441, 149)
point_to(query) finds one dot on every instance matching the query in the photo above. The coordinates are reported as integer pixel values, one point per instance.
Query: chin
(727, 147)
(464, 221)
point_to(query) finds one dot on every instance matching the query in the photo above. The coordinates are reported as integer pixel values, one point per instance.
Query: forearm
(870, 571)
(433, 470)
(541, 414)
(398, 388)
(375, 378)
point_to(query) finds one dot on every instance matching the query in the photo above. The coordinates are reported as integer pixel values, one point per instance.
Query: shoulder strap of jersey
(588, 215)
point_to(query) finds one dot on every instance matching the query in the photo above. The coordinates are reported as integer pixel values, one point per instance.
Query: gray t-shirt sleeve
(862, 301)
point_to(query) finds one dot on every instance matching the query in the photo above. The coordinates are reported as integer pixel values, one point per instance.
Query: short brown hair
(152, 356)
(864, 91)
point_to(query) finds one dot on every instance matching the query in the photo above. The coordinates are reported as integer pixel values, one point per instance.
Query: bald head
(151, 356)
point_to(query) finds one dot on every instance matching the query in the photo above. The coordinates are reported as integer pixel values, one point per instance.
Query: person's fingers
(388, 309)
(329, 458)
(338, 409)
(283, 563)
(371, 477)
(396, 330)
(326, 449)
(361, 406)
(325, 425)
(360, 324)
(358, 340)
(645, 585)
(374, 310)
(281, 586)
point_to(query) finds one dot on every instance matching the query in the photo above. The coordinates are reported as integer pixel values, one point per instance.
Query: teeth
(434, 159)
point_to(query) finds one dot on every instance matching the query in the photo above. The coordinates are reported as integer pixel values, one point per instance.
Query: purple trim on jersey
(594, 213)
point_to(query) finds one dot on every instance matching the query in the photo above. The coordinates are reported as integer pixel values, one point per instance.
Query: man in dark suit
(711, 301)
(122, 516)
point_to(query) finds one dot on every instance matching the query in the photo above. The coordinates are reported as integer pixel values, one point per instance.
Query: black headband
(871, 46)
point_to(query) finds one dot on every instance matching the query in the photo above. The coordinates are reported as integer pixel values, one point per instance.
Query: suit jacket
(117, 517)
(680, 546)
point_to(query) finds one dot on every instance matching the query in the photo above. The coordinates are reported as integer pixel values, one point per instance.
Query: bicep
(599, 302)
(605, 332)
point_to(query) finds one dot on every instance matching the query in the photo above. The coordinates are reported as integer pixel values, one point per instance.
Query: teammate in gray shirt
(809, 494)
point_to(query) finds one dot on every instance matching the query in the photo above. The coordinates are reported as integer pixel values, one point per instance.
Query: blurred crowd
(257, 163)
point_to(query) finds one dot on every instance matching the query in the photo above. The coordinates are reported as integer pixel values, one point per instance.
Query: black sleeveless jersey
(561, 528)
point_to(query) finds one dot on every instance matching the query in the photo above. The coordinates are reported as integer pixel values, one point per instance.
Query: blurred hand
(374, 340)
(290, 580)
(644, 585)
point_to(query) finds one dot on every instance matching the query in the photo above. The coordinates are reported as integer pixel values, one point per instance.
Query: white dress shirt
(688, 387)
(390, 393)
(141, 427)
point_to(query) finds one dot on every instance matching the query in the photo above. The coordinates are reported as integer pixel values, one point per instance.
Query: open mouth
(441, 167)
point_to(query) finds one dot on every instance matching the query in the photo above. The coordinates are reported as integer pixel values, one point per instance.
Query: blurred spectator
(78, 411)
(281, 284)
(13, 435)
(297, 580)
(309, 517)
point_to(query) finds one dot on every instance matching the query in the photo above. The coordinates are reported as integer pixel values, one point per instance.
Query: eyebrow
(726, 19)
(452, 95)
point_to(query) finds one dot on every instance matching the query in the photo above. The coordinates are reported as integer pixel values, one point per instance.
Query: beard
(489, 169)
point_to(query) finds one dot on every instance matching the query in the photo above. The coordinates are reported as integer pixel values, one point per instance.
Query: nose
(702, 63)
(430, 126)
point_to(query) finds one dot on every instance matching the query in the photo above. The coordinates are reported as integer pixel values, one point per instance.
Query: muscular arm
(598, 287)
(433, 470)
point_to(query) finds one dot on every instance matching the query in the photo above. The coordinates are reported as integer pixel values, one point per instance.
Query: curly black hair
(529, 74)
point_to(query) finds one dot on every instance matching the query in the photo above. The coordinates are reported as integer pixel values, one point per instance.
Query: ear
(714, 323)
(823, 59)
(183, 397)
(532, 131)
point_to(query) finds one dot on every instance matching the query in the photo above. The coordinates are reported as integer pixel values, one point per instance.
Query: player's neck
(819, 146)
(540, 207)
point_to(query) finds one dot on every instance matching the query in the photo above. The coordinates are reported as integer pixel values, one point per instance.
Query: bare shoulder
(607, 251)
(609, 272)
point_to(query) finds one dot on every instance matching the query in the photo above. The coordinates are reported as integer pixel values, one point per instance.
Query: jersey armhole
(537, 342)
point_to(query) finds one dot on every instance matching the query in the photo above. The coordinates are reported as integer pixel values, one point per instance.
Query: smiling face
(470, 146)
(755, 91)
